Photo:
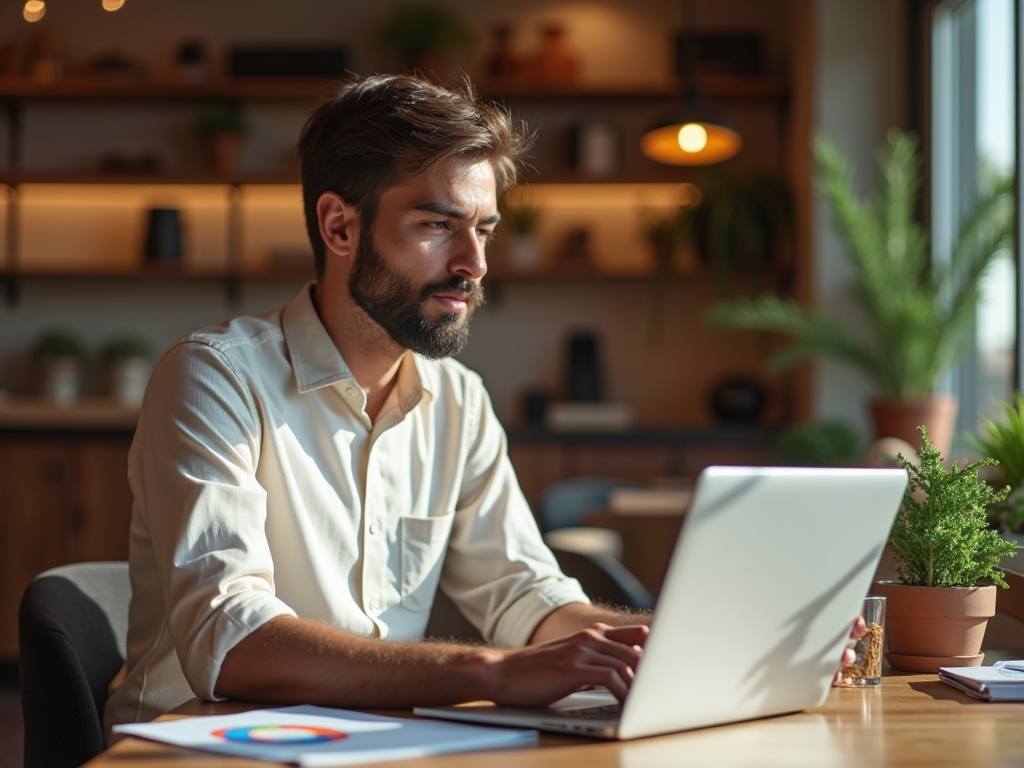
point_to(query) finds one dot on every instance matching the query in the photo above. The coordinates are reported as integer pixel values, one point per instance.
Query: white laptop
(769, 572)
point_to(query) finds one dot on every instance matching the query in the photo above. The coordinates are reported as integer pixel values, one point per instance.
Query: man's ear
(339, 224)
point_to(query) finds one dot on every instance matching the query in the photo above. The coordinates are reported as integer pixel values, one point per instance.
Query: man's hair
(378, 131)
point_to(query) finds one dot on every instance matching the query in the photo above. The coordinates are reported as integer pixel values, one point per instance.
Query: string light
(112, 5)
(34, 10)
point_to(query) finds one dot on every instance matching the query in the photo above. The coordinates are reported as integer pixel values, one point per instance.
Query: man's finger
(633, 635)
(859, 628)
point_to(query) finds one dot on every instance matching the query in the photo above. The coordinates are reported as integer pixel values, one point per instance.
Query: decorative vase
(130, 377)
(62, 379)
(932, 627)
(901, 418)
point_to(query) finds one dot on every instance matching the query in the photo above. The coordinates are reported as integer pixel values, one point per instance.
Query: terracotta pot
(901, 418)
(931, 627)
(222, 150)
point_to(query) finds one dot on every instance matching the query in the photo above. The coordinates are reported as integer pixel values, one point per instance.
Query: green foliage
(944, 541)
(740, 225)
(222, 117)
(920, 314)
(418, 28)
(58, 342)
(522, 219)
(818, 444)
(127, 348)
(1004, 442)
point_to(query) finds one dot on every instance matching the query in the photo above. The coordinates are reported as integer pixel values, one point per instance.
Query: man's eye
(486, 234)
(438, 225)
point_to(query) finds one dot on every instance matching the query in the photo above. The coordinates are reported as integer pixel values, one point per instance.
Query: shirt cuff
(517, 625)
(236, 619)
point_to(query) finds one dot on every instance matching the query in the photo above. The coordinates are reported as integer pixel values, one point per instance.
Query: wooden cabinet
(64, 498)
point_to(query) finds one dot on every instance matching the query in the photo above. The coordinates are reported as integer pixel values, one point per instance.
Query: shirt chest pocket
(424, 542)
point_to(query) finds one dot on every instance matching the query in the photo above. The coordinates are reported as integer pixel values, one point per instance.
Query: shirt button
(374, 605)
(350, 391)
(374, 528)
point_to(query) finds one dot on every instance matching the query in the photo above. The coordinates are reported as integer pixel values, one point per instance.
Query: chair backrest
(604, 579)
(72, 627)
(564, 504)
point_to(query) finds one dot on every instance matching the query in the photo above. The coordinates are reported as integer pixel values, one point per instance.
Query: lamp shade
(691, 143)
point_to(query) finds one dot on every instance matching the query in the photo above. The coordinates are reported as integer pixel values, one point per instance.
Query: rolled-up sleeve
(498, 570)
(193, 475)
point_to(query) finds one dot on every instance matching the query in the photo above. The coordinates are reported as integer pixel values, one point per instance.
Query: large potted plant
(919, 313)
(936, 615)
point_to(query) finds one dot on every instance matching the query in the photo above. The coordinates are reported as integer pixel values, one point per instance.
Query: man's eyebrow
(451, 212)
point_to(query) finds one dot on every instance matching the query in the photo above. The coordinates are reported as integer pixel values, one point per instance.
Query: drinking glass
(867, 668)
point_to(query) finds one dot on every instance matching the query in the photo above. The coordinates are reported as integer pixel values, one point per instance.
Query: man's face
(417, 270)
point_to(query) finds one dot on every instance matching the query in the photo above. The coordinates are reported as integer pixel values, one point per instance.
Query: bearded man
(305, 480)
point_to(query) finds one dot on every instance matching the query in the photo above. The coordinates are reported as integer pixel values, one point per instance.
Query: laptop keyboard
(606, 712)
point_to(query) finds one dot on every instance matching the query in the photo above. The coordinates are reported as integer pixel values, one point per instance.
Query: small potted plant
(947, 555)
(524, 249)
(128, 360)
(222, 128)
(60, 353)
(424, 35)
(1004, 442)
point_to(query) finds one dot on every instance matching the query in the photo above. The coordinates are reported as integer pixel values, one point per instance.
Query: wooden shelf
(712, 86)
(307, 89)
(90, 413)
(99, 88)
(92, 177)
(158, 274)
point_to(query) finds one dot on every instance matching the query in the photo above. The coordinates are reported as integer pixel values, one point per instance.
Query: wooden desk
(908, 720)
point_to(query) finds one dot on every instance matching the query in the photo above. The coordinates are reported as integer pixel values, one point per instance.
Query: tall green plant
(919, 313)
(1004, 441)
(944, 540)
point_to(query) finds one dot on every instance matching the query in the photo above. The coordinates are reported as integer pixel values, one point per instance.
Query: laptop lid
(769, 571)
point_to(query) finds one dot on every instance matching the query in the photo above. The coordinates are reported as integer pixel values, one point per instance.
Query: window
(974, 136)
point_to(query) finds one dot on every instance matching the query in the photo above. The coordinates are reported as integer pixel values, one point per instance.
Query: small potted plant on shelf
(222, 128)
(60, 354)
(1004, 441)
(424, 35)
(920, 314)
(128, 358)
(947, 556)
(524, 248)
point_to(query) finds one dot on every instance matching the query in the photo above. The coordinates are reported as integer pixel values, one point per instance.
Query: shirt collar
(317, 362)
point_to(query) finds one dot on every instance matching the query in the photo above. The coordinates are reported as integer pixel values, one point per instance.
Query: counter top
(88, 414)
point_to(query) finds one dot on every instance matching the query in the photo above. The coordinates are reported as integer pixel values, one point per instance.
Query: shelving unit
(18, 92)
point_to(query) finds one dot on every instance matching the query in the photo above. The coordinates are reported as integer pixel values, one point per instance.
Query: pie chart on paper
(280, 734)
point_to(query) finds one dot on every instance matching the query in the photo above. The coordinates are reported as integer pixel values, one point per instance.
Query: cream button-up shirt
(262, 489)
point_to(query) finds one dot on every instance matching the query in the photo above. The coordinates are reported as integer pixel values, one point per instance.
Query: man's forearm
(297, 660)
(576, 616)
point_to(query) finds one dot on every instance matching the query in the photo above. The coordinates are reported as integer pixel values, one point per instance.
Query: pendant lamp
(699, 137)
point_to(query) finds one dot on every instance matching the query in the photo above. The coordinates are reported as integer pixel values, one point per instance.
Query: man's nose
(470, 257)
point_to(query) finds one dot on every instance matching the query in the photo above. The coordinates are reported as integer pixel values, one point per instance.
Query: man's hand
(543, 673)
(849, 655)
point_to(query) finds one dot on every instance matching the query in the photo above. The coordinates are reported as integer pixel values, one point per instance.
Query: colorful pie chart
(280, 734)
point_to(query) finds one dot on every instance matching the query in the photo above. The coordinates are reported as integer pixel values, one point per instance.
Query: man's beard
(397, 306)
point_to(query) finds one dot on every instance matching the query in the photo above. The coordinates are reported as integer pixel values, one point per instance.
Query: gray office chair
(72, 627)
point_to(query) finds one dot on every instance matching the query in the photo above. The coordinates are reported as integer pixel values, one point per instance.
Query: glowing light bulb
(34, 10)
(112, 5)
(693, 137)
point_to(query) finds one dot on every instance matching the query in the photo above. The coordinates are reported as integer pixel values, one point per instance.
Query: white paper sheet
(317, 736)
